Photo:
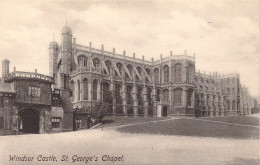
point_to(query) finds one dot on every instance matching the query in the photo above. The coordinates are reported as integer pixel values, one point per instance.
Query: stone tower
(5, 67)
(64, 72)
(53, 58)
(66, 56)
(66, 49)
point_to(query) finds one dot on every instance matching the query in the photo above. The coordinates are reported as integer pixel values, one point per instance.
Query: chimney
(5, 67)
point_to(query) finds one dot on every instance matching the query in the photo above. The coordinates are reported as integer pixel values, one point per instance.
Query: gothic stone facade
(169, 86)
(80, 76)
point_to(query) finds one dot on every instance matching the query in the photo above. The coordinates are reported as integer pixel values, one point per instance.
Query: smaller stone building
(28, 104)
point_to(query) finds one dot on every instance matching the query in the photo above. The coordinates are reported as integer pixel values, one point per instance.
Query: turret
(53, 58)
(66, 56)
(66, 49)
(5, 67)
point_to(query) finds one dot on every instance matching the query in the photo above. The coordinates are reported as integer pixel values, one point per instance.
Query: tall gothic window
(228, 91)
(190, 74)
(166, 74)
(208, 100)
(233, 104)
(228, 105)
(95, 83)
(177, 97)
(105, 91)
(149, 96)
(219, 101)
(129, 94)
(238, 105)
(85, 88)
(139, 95)
(158, 95)
(96, 64)
(202, 98)
(82, 61)
(156, 75)
(79, 90)
(233, 91)
(189, 97)
(166, 94)
(177, 72)
(117, 93)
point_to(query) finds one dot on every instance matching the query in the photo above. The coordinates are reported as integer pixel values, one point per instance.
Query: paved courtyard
(109, 146)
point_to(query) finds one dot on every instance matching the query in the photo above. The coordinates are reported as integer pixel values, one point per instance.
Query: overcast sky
(224, 34)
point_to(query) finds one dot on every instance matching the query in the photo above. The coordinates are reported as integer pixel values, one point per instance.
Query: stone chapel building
(79, 77)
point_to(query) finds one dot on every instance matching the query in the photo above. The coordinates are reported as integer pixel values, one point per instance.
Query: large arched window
(166, 74)
(166, 94)
(79, 90)
(156, 75)
(202, 98)
(233, 91)
(228, 91)
(149, 96)
(228, 105)
(177, 73)
(238, 105)
(139, 95)
(82, 61)
(233, 104)
(177, 97)
(190, 73)
(189, 96)
(105, 89)
(158, 95)
(219, 101)
(95, 83)
(85, 88)
(96, 63)
(117, 93)
(129, 95)
(208, 96)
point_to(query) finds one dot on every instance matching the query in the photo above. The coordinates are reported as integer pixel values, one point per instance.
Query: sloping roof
(6, 88)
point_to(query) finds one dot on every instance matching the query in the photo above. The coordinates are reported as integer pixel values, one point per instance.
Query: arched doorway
(29, 121)
(164, 112)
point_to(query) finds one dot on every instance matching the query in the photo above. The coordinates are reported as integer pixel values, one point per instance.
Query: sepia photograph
(127, 82)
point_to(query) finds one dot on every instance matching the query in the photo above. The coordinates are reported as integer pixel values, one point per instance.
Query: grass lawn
(190, 127)
(246, 120)
(110, 121)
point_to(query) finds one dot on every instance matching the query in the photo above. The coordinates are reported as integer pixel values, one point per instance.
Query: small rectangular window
(78, 123)
(55, 122)
(34, 91)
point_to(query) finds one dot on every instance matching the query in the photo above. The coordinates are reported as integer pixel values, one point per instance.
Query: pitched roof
(6, 87)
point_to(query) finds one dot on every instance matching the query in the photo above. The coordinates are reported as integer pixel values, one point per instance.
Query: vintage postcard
(172, 82)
